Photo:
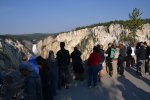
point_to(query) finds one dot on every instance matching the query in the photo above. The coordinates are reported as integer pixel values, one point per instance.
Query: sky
(53, 16)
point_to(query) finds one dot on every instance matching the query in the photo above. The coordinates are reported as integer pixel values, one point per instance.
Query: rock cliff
(84, 39)
(10, 53)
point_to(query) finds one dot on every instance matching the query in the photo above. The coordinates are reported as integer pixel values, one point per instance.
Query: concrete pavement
(127, 87)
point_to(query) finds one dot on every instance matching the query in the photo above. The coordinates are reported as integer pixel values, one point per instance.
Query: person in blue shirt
(32, 81)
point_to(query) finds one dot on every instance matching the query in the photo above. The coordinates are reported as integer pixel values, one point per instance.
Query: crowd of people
(130, 55)
(43, 77)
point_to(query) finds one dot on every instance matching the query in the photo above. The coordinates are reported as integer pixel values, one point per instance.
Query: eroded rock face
(85, 39)
(144, 33)
(10, 54)
(71, 40)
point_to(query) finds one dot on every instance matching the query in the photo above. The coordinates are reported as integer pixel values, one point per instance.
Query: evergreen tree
(134, 22)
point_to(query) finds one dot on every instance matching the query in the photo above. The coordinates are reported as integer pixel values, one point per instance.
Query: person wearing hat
(32, 59)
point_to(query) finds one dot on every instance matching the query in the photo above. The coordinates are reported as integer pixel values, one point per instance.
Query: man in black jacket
(141, 59)
(63, 60)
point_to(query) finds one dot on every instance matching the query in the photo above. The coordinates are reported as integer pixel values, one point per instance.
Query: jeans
(92, 73)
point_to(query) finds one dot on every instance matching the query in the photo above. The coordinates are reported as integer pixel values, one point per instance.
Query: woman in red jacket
(93, 62)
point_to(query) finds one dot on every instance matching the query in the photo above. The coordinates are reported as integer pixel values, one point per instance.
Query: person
(108, 60)
(133, 59)
(141, 60)
(100, 67)
(147, 58)
(110, 57)
(53, 72)
(138, 46)
(121, 59)
(93, 63)
(45, 78)
(33, 89)
(1, 79)
(32, 60)
(63, 60)
(77, 64)
(1, 83)
(129, 59)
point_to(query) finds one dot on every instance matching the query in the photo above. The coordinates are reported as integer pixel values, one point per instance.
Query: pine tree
(134, 23)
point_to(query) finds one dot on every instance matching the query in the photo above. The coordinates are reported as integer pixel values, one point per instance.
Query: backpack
(112, 53)
(116, 54)
(129, 50)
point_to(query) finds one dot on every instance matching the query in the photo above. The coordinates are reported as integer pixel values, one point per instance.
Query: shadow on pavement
(80, 91)
(133, 72)
(130, 91)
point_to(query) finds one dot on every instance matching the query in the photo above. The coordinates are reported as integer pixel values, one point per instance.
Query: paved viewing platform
(127, 87)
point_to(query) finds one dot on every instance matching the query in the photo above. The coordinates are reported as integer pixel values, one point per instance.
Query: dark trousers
(92, 73)
(129, 61)
(109, 66)
(147, 65)
(141, 66)
(120, 68)
(63, 79)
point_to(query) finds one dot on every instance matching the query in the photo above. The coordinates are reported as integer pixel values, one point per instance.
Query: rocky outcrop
(144, 33)
(71, 39)
(85, 39)
(10, 54)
